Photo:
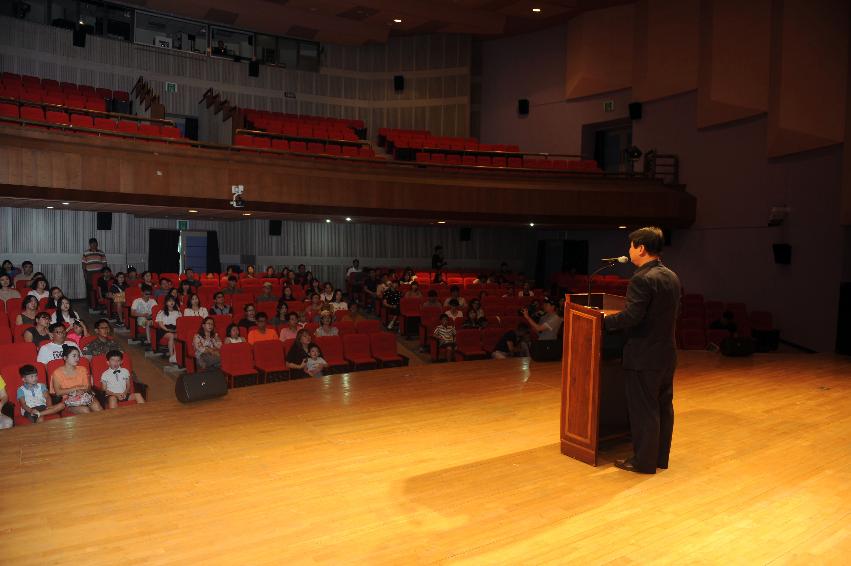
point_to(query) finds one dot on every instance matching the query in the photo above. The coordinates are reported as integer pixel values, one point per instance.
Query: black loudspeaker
(206, 384)
(464, 234)
(79, 37)
(398, 83)
(523, 106)
(254, 68)
(274, 227)
(104, 221)
(782, 254)
(635, 111)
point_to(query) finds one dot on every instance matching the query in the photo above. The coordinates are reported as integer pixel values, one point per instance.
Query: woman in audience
(454, 310)
(233, 335)
(325, 328)
(194, 308)
(475, 316)
(29, 308)
(314, 287)
(281, 312)
(10, 270)
(414, 291)
(408, 276)
(38, 333)
(290, 331)
(288, 294)
(67, 315)
(250, 272)
(219, 306)
(38, 288)
(526, 291)
(327, 294)
(147, 279)
(53, 301)
(6, 290)
(167, 323)
(299, 353)
(208, 345)
(184, 292)
(312, 312)
(71, 382)
(270, 273)
(117, 295)
(75, 332)
(337, 303)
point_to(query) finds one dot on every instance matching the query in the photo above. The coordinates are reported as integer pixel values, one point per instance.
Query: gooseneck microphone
(620, 259)
(609, 262)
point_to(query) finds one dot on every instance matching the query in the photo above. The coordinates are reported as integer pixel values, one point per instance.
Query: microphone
(607, 263)
(621, 259)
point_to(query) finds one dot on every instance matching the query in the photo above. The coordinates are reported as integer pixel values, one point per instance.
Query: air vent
(358, 13)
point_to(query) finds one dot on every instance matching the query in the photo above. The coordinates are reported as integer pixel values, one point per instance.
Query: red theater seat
(96, 104)
(332, 350)
(9, 110)
(365, 151)
(350, 151)
(383, 348)
(356, 351)
(32, 113)
(298, 146)
(152, 130)
(280, 145)
(269, 360)
(237, 361)
(262, 142)
(82, 121)
(128, 127)
(170, 132)
(243, 140)
(55, 117)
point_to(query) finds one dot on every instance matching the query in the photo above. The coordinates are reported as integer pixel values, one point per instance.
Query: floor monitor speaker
(205, 384)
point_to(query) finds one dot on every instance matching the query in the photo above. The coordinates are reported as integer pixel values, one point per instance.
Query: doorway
(193, 251)
(606, 142)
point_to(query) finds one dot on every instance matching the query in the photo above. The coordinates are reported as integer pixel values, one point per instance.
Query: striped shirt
(94, 260)
(445, 334)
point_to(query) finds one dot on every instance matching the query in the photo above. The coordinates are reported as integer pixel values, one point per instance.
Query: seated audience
(261, 330)
(288, 294)
(194, 308)
(103, 342)
(39, 333)
(67, 315)
(290, 331)
(142, 308)
(6, 290)
(514, 343)
(219, 306)
(355, 268)
(337, 303)
(33, 397)
(267, 296)
(29, 308)
(370, 289)
(299, 353)
(325, 328)
(184, 291)
(147, 279)
(432, 300)
(116, 381)
(117, 294)
(270, 272)
(474, 319)
(26, 273)
(327, 294)
(354, 313)
(314, 310)
(315, 362)
(167, 324)
(249, 318)
(191, 278)
(53, 301)
(38, 288)
(71, 382)
(548, 325)
(445, 333)
(76, 332)
(414, 291)
(281, 313)
(231, 288)
(390, 301)
(208, 345)
(250, 272)
(526, 291)
(164, 288)
(454, 311)
(233, 335)
(10, 270)
(132, 277)
(105, 282)
(52, 350)
(454, 294)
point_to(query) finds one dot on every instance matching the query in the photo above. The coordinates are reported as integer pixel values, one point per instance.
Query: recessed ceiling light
(328, 220)
(348, 219)
(192, 210)
(397, 20)
(622, 227)
(49, 207)
(536, 10)
(66, 203)
(441, 221)
(246, 214)
(531, 224)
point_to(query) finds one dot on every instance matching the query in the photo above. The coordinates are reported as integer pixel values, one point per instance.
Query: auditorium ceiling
(359, 22)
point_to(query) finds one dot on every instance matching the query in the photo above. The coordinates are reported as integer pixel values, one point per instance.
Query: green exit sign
(183, 225)
(608, 106)
(170, 87)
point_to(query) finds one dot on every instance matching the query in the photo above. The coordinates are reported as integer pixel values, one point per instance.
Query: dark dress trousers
(649, 360)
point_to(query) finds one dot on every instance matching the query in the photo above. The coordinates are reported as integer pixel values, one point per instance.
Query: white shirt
(115, 382)
(50, 351)
(142, 306)
(341, 306)
(202, 312)
(171, 318)
(43, 295)
(352, 269)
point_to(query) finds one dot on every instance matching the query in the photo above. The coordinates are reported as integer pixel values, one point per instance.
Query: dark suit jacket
(649, 318)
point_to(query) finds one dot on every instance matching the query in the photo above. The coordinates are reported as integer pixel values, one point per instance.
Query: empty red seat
(281, 145)
(103, 93)
(88, 91)
(121, 95)
(453, 159)
(468, 344)
(559, 164)
(9, 110)
(350, 151)
(237, 361)
(128, 127)
(55, 99)
(298, 146)
(332, 350)
(370, 326)
(170, 132)
(96, 104)
(498, 161)
(438, 158)
(75, 101)
(515, 162)
(315, 147)
(105, 124)
(693, 339)
(31, 95)
(262, 142)
(82, 121)
(32, 113)
(356, 351)
(483, 160)
(152, 130)
(468, 160)
(269, 359)
(69, 87)
(333, 149)
(243, 140)
(422, 157)
(366, 151)
(383, 348)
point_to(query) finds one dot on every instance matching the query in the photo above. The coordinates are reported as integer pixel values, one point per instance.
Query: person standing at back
(94, 260)
(650, 355)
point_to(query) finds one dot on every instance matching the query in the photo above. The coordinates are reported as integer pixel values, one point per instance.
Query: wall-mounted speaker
(398, 83)
(464, 234)
(275, 227)
(79, 36)
(782, 254)
(254, 68)
(104, 221)
(635, 111)
(523, 106)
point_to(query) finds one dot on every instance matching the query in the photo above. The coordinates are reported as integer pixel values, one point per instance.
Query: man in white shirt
(142, 308)
(355, 268)
(53, 350)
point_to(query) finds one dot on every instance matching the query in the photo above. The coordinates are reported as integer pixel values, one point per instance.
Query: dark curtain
(214, 263)
(162, 251)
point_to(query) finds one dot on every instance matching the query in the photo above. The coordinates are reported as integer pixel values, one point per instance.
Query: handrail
(407, 165)
(246, 131)
(491, 152)
(669, 168)
(97, 113)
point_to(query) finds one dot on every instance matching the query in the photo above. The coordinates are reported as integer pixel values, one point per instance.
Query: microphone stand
(591, 279)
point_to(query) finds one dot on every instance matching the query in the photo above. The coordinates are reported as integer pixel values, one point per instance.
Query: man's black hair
(650, 237)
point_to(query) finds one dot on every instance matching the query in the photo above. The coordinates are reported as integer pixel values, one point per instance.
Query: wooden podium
(593, 401)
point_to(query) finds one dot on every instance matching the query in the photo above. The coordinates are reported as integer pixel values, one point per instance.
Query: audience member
(355, 268)
(325, 328)
(549, 324)
(290, 331)
(116, 381)
(454, 311)
(315, 362)
(94, 261)
(354, 313)
(29, 309)
(327, 294)
(370, 289)
(437, 261)
(249, 318)
(414, 292)
(33, 396)
(38, 288)
(10, 270)
(219, 306)
(184, 291)
(26, 273)
(147, 279)
(76, 332)
(53, 300)
(445, 333)
(726, 322)
(270, 272)
(282, 312)
(194, 308)
(314, 309)
(514, 343)
(390, 301)
(191, 278)
(475, 316)
(337, 303)
(132, 277)
(455, 293)
(6, 290)
(103, 342)
(163, 289)
(208, 345)
(526, 291)
(267, 296)
(67, 315)
(299, 353)
(432, 300)
(233, 335)
(142, 308)
(261, 330)
(250, 272)
(71, 382)
(288, 294)
(117, 293)
(167, 324)
(38, 334)
(231, 288)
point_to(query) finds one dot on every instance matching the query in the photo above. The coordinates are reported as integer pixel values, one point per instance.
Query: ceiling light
(192, 210)
(348, 219)
(441, 221)
(49, 207)
(328, 220)
(531, 225)
(397, 20)
(536, 10)
(66, 203)
(622, 227)
(246, 214)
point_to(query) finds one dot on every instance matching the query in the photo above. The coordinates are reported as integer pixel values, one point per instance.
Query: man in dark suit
(650, 355)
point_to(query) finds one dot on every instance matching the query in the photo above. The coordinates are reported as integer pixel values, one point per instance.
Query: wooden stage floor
(440, 463)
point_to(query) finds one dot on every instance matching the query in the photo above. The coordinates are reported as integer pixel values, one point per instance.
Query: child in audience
(233, 335)
(444, 333)
(142, 308)
(315, 362)
(167, 323)
(33, 397)
(116, 381)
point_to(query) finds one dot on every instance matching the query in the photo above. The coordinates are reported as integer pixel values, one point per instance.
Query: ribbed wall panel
(352, 82)
(54, 241)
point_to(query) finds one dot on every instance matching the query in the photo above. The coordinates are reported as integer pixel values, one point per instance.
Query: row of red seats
(78, 102)
(450, 146)
(303, 119)
(301, 131)
(37, 114)
(583, 165)
(17, 355)
(26, 83)
(337, 150)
